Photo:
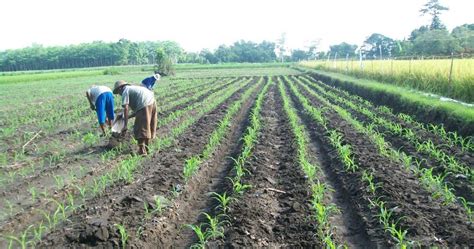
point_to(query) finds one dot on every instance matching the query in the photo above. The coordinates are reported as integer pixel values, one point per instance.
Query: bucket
(118, 124)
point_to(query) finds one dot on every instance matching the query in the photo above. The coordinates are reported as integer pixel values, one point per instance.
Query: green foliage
(342, 50)
(111, 71)
(123, 234)
(163, 63)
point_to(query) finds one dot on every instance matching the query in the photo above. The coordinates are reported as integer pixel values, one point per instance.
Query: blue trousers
(105, 105)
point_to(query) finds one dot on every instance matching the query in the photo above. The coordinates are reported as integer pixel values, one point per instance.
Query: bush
(111, 71)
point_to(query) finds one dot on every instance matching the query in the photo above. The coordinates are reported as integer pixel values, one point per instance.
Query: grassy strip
(47, 76)
(456, 117)
(322, 211)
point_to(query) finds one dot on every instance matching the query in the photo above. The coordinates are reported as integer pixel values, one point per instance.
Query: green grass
(461, 112)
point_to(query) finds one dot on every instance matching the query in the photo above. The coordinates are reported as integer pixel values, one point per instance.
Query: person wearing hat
(142, 102)
(102, 101)
(150, 81)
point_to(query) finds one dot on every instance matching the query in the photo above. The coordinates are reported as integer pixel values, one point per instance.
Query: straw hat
(157, 76)
(119, 84)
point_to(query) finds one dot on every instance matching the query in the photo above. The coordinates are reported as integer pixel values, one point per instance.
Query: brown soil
(124, 204)
(427, 220)
(461, 184)
(275, 212)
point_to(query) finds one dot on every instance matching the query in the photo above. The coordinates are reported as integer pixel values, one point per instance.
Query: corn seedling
(191, 166)
(59, 181)
(215, 229)
(22, 240)
(223, 200)
(158, 205)
(33, 192)
(201, 234)
(467, 206)
(238, 187)
(123, 234)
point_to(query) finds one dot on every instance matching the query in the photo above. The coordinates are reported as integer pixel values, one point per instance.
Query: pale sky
(208, 23)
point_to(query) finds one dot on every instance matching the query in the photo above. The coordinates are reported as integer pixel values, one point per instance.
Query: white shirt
(137, 97)
(96, 91)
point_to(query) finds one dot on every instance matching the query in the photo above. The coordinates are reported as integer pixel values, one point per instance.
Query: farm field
(244, 157)
(428, 75)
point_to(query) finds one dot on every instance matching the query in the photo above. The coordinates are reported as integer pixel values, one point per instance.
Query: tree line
(432, 39)
(428, 40)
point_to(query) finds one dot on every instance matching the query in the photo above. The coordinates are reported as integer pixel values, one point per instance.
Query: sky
(209, 23)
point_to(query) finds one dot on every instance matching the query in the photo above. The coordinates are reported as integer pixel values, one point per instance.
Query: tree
(281, 46)
(343, 49)
(435, 42)
(434, 9)
(312, 49)
(464, 34)
(299, 55)
(416, 32)
(376, 42)
(164, 63)
(225, 54)
(209, 56)
(121, 49)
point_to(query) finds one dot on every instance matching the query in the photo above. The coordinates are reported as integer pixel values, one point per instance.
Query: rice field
(427, 75)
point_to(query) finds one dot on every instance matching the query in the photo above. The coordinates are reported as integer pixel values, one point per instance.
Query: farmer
(150, 81)
(142, 103)
(102, 101)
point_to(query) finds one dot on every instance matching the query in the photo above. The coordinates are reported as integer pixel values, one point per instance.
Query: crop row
(125, 169)
(349, 158)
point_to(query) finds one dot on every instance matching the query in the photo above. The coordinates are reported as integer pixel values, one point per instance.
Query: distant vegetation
(430, 40)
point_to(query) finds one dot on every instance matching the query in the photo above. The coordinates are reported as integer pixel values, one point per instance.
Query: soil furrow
(124, 204)
(275, 212)
(170, 230)
(461, 183)
(348, 223)
(427, 220)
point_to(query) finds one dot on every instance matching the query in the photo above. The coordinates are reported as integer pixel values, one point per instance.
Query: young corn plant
(238, 187)
(123, 234)
(191, 166)
(215, 228)
(202, 235)
(223, 200)
(467, 206)
(158, 205)
(22, 240)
